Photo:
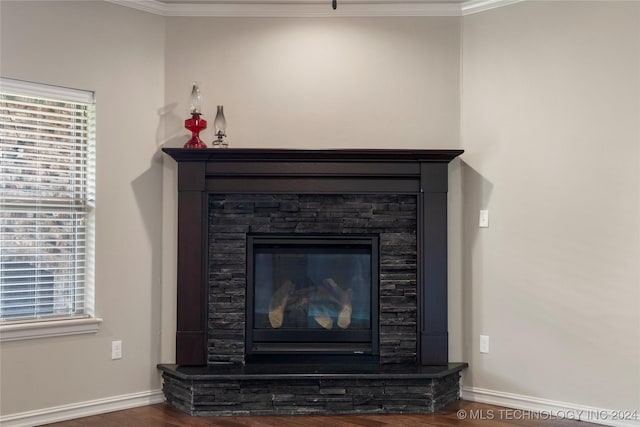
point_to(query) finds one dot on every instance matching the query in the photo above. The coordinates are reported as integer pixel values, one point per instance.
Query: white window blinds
(47, 195)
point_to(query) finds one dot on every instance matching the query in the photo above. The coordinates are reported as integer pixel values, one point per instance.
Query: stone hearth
(310, 389)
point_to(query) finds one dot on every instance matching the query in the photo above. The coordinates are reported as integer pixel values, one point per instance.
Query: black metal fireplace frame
(296, 346)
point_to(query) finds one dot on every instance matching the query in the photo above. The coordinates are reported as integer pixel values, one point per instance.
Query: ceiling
(312, 8)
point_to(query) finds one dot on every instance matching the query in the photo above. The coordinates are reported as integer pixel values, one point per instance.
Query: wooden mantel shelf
(260, 154)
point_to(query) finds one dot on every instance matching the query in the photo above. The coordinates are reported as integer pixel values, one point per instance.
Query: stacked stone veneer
(392, 217)
(200, 395)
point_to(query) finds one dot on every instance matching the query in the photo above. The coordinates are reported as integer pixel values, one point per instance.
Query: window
(47, 184)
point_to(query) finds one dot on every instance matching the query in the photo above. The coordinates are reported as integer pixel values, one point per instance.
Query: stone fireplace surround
(225, 194)
(392, 216)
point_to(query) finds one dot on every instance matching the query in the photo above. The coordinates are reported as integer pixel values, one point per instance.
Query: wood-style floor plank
(477, 415)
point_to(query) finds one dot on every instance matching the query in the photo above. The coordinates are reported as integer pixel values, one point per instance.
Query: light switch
(116, 350)
(484, 218)
(484, 344)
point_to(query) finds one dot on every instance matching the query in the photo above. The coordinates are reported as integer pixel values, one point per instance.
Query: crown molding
(474, 6)
(151, 6)
(279, 8)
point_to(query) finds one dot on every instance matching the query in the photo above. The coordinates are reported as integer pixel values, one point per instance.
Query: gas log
(324, 303)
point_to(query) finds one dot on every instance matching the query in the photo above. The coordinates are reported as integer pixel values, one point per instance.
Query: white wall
(119, 53)
(551, 129)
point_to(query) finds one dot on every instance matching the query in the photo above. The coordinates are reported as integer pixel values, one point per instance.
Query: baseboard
(82, 409)
(543, 408)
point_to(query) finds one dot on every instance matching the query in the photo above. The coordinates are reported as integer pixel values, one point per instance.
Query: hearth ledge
(275, 371)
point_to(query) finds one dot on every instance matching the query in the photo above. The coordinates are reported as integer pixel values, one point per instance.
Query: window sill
(54, 328)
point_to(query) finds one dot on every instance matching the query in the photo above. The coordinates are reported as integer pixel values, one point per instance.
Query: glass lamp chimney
(196, 99)
(220, 128)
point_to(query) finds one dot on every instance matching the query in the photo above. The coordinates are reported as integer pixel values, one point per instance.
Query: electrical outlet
(484, 344)
(116, 350)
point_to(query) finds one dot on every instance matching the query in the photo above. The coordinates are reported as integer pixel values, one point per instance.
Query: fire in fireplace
(312, 295)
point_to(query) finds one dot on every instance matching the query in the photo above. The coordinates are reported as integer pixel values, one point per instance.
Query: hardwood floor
(458, 414)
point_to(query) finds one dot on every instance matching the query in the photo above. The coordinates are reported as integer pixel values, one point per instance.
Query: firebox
(312, 296)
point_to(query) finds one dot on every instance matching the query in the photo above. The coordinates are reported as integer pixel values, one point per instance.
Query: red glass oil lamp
(195, 124)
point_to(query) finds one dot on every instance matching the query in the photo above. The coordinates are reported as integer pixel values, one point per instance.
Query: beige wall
(551, 129)
(284, 83)
(320, 83)
(314, 83)
(550, 125)
(119, 53)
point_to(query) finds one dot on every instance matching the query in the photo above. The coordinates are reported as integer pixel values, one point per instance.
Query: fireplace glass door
(312, 295)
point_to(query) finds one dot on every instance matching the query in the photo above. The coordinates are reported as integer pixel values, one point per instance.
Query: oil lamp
(220, 128)
(195, 124)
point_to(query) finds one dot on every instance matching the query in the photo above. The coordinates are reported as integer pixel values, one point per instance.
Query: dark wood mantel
(202, 172)
(269, 154)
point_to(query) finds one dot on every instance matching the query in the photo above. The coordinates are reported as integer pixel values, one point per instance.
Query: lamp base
(195, 142)
(195, 124)
(218, 143)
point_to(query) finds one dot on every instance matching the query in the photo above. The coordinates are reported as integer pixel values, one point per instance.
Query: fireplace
(290, 260)
(312, 295)
(373, 232)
